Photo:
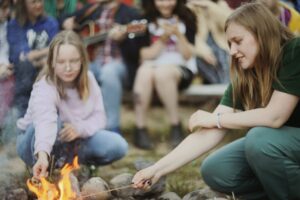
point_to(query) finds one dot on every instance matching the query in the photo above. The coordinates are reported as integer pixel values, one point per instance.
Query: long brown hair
(253, 87)
(22, 12)
(181, 10)
(81, 82)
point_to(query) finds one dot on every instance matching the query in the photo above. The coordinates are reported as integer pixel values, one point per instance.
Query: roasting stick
(119, 188)
(93, 194)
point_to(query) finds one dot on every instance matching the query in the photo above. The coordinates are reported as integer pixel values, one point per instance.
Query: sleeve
(227, 99)
(44, 114)
(97, 119)
(17, 40)
(289, 72)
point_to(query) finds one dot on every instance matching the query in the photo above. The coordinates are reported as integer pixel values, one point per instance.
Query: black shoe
(141, 139)
(176, 135)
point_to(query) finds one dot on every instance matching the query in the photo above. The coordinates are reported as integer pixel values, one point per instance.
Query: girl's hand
(210, 58)
(202, 119)
(68, 133)
(41, 166)
(118, 32)
(171, 29)
(145, 178)
(6, 70)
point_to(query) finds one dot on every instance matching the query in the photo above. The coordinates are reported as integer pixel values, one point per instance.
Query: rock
(169, 196)
(119, 181)
(17, 194)
(95, 189)
(202, 194)
(155, 189)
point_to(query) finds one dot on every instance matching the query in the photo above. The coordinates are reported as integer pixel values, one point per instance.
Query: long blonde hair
(81, 82)
(253, 87)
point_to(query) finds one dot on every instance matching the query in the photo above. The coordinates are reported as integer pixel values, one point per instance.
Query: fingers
(143, 184)
(40, 171)
(68, 133)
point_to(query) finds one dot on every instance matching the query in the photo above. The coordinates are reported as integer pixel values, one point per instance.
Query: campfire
(44, 190)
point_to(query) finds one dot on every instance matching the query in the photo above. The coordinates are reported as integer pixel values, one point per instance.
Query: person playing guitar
(115, 59)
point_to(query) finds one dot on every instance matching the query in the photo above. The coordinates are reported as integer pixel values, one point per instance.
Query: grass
(182, 181)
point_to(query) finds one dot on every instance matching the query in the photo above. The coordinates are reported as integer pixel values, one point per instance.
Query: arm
(37, 54)
(151, 52)
(273, 115)
(184, 47)
(219, 12)
(44, 117)
(45, 123)
(182, 43)
(6, 70)
(190, 148)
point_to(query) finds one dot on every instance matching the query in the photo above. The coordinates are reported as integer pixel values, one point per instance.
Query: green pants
(265, 164)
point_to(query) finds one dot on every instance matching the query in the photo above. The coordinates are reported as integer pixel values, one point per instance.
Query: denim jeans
(111, 78)
(102, 148)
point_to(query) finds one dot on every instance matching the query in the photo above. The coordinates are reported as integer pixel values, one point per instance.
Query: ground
(13, 172)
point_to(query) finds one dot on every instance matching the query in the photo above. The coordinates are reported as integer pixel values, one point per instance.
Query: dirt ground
(13, 172)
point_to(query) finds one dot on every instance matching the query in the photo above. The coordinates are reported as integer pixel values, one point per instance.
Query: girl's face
(165, 7)
(242, 44)
(35, 8)
(67, 64)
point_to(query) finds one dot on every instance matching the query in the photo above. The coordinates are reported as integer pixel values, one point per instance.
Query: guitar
(133, 29)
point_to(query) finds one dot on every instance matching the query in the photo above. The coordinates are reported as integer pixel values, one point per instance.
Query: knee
(207, 170)
(258, 144)
(215, 176)
(121, 149)
(218, 175)
(163, 75)
(116, 150)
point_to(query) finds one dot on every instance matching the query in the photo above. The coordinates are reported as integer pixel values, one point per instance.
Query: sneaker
(176, 135)
(141, 139)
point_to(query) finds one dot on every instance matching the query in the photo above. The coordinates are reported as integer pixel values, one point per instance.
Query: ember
(48, 191)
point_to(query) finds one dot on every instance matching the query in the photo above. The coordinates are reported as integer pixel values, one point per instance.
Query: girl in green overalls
(263, 97)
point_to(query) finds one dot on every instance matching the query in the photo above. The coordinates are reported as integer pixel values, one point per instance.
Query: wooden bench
(197, 93)
(215, 90)
(194, 94)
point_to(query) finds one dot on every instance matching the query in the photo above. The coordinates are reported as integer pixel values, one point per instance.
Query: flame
(48, 191)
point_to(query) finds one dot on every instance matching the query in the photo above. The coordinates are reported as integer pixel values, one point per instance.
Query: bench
(213, 90)
(195, 93)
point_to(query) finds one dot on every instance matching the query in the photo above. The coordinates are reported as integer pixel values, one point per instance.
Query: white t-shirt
(170, 55)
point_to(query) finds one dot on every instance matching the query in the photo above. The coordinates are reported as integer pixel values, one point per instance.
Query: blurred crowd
(150, 47)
